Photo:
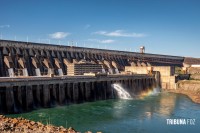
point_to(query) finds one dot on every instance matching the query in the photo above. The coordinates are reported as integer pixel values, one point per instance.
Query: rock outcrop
(191, 88)
(21, 125)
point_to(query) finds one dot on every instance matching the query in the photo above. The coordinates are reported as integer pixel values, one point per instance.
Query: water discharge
(121, 92)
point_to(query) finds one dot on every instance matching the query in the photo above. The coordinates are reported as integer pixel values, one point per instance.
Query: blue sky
(169, 27)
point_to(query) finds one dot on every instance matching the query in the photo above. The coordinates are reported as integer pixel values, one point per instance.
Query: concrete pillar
(157, 79)
(11, 72)
(10, 102)
(37, 71)
(87, 91)
(136, 86)
(75, 93)
(25, 72)
(98, 91)
(29, 98)
(104, 88)
(140, 85)
(38, 100)
(19, 98)
(116, 71)
(109, 93)
(61, 94)
(50, 71)
(53, 94)
(46, 96)
(103, 70)
(60, 72)
(129, 84)
(82, 92)
(148, 83)
(133, 86)
(110, 70)
(69, 93)
(93, 89)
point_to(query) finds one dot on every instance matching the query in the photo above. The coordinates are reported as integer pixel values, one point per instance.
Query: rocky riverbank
(191, 88)
(21, 125)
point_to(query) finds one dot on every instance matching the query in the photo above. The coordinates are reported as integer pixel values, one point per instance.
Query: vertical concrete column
(38, 100)
(133, 86)
(87, 91)
(29, 98)
(142, 84)
(50, 71)
(61, 94)
(11, 72)
(10, 101)
(82, 92)
(37, 71)
(110, 70)
(25, 72)
(2, 68)
(103, 70)
(116, 71)
(54, 98)
(130, 84)
(75, 93)
(157, 79)
(136, 86)
(109, 91)
(46, 96)
(60, 72)
(19, 98)
(102, 90)
(93, 88)
(69, 93)
(105, 87)
(99, 90)
(147, 83)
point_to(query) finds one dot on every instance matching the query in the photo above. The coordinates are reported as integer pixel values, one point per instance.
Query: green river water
(147, 115)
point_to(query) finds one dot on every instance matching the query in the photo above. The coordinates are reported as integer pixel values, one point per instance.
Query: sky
(169, 27)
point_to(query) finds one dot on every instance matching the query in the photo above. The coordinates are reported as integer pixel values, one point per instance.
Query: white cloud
(107, 41)
(101, 41)
(59, 35)
(87, 26)
(119, 33)
(5, 26)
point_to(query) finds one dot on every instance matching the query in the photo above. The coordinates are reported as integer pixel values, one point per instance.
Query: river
(145, 115)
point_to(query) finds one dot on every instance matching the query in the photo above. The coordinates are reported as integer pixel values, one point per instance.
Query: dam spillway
(25, 94)
(34, 75)
(38, 59)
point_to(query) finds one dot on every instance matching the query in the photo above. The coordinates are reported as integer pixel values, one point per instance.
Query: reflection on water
(167, 104)
(147, 115)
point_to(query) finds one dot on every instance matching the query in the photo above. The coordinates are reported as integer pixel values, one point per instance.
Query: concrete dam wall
(37, 59)
(21, 95)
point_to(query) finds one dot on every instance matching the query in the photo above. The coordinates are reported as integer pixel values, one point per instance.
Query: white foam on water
(121, 92)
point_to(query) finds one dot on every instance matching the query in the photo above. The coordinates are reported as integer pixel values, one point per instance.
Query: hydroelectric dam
(35, 75)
